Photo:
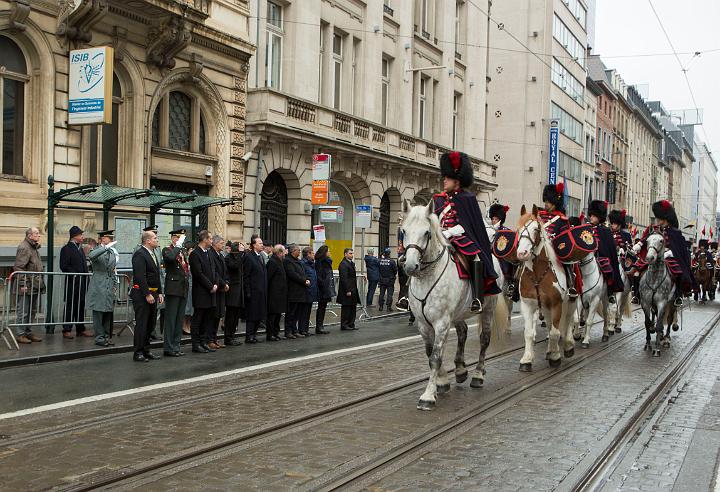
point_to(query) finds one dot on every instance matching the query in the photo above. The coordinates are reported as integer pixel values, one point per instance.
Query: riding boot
(635, 284)
(402, 304)
(515, 292)
(570, 274)
(477, 281)
(611, 298)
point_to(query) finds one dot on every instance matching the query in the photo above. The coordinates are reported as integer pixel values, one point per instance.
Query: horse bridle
(525, 233)
(422, 250)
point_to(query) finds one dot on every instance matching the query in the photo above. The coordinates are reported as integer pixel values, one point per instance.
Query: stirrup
(402, 304)
(611, 299)
(635, 300)
(678, 302)
(572, 293)
(476, 306)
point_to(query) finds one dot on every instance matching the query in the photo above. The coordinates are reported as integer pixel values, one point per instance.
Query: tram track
(135, 476)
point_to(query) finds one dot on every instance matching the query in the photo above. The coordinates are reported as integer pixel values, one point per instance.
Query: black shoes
(172, 354)
(320, 331)
(151, 356)
(403, 304)
(199, 349)
(140, 358)
(251, 341)
(206, 347)
(233, 342)
(289, 336)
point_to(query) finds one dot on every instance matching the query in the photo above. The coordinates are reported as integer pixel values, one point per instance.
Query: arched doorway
(384, 224)
(273, 210)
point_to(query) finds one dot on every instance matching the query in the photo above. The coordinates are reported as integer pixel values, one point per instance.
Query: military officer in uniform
(161, 309)
(176, 292)
(146, 294)
(103, 286)
(388, 274)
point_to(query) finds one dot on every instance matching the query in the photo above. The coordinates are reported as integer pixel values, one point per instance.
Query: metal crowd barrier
(25, 302)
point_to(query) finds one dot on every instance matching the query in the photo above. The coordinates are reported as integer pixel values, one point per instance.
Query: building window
(458, 30)
(385, 90)
(570, 167)
(578, 11)
(337, 69)
(569, 126)
(566, 38)
(455, 120)
(13, 77)
(273, 55)
(424, 14)
(565, 80)
(104, 143)
(179, 124)
(422, 107)
(356, 105)
(321, 63)
(274, 210)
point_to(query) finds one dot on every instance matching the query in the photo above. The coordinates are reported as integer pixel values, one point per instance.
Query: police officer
(176, 291)
(103, 286)
(388, 273)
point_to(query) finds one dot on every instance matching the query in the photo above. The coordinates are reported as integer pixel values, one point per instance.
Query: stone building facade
(179, 97)
(384, 87)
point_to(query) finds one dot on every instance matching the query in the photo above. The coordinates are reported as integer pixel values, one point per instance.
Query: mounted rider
(702, 249)
(666, 222)
(557, 222)
(607, 254)
(498, 214)
(463, 226)
(624, 242)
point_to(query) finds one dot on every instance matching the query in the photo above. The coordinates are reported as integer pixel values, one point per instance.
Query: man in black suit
(176, 292)
(255, 289)
(297, 288)
(348, 296)
(72, 260)
(146, 294)
(223, 283)
(204, 297)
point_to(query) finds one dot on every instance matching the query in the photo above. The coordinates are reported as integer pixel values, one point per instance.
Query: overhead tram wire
(682, 67)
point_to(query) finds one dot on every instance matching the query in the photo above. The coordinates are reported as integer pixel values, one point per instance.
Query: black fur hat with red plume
(665, 211)
(555, 195)
(498, 210)
(456, 165)
(618, 217)
(598, 208)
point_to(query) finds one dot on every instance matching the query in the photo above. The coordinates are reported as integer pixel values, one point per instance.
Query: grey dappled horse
(657, 294)
(440, 299)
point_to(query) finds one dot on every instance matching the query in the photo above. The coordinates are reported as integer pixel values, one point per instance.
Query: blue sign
(554, 151)
(363, 216)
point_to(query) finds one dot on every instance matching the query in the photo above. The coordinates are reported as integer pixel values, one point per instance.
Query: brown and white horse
(543, 289)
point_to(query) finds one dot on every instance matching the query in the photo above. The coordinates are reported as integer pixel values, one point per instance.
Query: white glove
(637, 247)
(180, 241)
(453, 231)
(110, 245)
(668, 254)
(621, 252)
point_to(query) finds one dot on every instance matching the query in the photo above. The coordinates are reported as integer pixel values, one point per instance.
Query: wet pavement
(279, 439)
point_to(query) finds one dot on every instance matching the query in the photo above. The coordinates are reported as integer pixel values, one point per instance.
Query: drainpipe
(258, 191)
(257, 44)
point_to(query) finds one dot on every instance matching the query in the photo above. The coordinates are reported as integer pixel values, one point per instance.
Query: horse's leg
(427, 399)
(554, 357)
(461, 328)
(566, 328)
(589, 320)
(528, 313)
(605, 304)
(648, 325)
(659, 325)
(484, 330)
(577, 335)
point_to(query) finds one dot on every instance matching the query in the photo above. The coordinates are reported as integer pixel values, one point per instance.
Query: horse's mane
(417, 214)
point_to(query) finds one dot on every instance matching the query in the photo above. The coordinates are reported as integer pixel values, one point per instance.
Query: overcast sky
(626, 28)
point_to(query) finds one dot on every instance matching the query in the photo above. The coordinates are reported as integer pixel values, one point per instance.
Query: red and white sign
(321, 178)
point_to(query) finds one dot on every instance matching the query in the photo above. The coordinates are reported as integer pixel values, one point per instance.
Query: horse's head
(655, 247)
(421, 233)
(529, 234)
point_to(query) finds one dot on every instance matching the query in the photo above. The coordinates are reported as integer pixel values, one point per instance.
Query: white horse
(593, 300)
(543, 289)
(657, 289)
(440, 299)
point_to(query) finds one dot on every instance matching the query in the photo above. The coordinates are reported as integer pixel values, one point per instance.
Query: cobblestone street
(350, 419)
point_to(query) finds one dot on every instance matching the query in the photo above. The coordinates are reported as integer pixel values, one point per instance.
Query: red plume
(623, 213)
(560, 188)
(455, 160)
(506, 208)
(582, 217)
(665, 204)
(606, 203)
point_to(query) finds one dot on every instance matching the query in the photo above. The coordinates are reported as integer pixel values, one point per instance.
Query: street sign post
(553, 152)
(363, 220)
(320, 178)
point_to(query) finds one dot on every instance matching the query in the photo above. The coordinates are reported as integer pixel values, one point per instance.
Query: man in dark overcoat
(235, 297)
(72, 260)
(223, 283)
(255, 289)
(204, 289)
(177, 271)
(277, 293)
(146, 294)
(348, 296)
(298, 285)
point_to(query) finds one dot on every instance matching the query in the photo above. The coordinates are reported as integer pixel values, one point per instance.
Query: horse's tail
(501, 324)
(627, 308)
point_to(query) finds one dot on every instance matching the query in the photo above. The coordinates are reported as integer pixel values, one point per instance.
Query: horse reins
(424, 265)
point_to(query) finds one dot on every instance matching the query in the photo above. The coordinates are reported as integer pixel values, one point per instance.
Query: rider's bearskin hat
(665, 211)
(498, 210)
(618, 217)
(554, 194)
(598, 208)
(456, 165)
(714, 245)
(703, 243)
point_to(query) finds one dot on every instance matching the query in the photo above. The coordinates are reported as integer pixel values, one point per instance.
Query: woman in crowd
(325, 285)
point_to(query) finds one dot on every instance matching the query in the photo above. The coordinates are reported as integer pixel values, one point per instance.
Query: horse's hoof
(526, 367)
(443, 388)
(651, 330)
(577, 338)
(585, 345)
(675, 327)
(425, 405)
(569, 353)
(476, 383)
(555, 362)
(666, 343)
(547, 355)
(583, 324)
(611, 332)
(605, 338)
(461, 378)
(618, 329)
(542, 323)
(656, 353)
